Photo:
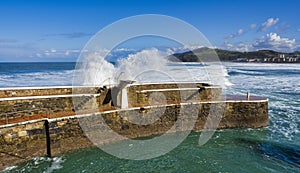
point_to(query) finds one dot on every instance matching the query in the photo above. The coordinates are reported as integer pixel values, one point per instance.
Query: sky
(57, 30)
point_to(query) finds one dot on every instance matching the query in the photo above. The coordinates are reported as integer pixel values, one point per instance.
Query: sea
(275, 148)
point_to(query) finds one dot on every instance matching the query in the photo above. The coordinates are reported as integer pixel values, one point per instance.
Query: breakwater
(48, 118)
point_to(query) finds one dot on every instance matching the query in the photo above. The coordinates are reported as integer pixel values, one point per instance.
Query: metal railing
(25, 115)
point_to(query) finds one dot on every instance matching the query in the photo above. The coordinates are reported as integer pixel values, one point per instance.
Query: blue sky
(57, 30)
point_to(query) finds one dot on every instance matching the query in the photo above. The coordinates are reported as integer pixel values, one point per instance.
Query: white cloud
(267, 24)
(54, 53)
(183, 48)
(240, 32)
(228, 46)
(38, 55)
(230, 36)
(190, 47)
(241, 47)
(123, 50)
(12, 52)
(28, 52)
(252, 26)
(271, 41)
(275, 42)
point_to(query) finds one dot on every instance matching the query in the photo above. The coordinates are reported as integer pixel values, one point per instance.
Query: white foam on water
(146, 66)
(52, 78)
(143, 66)
(10, 168)
(55, 165)
(93, 70)
(280, 84)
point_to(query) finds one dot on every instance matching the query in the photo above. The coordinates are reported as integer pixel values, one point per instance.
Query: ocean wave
(38, 164)
(148, 65)
(280, 84)
(52, 78)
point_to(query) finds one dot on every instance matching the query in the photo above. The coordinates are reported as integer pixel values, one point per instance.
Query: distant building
(253, 60)
(241, 60)
(267, 59)
(282, 58)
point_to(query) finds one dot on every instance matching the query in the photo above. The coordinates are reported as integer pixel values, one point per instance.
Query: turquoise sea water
(272, 149)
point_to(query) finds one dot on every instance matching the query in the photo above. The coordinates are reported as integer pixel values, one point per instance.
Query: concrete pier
(42, 121)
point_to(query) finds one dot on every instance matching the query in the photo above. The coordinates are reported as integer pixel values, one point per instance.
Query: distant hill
(208, 54)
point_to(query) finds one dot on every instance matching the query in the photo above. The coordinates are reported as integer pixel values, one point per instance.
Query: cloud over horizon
(267, 24)
(274, 41)
(238, 33)
(271, 41)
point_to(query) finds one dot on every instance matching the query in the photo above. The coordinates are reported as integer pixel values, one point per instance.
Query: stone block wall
(44, 91)
(236, 114)
(34, 92)
(149, 94)
(20, 142)
(25, 141)
(134, 89)
(244, 114)
(24, 109)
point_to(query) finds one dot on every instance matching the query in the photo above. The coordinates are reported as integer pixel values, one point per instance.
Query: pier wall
(32, 91)
(23, 113)
(24, 141)
(44, 91)
(26, 108)
(179, 95)
(29, 104)
(23, 104)
(28, 139)
(146, 94)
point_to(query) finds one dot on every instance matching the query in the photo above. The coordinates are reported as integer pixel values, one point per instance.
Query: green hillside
(208, 54)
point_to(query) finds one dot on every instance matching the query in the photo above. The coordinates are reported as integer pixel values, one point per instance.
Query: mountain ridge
(207, 54)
